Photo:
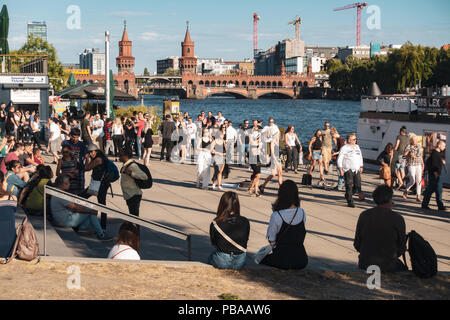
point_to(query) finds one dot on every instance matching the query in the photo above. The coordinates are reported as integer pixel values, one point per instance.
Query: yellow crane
(297, 21)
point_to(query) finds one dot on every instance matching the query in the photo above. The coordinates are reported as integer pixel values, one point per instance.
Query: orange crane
(255, 33)
(297, 21)
(359, 6)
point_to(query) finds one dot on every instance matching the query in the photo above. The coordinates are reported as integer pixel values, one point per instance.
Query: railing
(23, 64)
(51, 191)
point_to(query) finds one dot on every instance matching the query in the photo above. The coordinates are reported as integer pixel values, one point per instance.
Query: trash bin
(7, 227)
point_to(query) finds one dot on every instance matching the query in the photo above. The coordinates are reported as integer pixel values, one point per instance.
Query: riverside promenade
(174, 201)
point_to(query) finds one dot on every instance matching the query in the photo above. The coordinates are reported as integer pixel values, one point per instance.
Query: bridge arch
(280, 84)
(219, 83)
(236, 83)
(244, 83)
(201, 82)
(207, 83)
(269, 84)
(274, 84)
(236, 94)
(277, 94)
(257, 83)
(190, 82)
(305, 84)
(213, 83)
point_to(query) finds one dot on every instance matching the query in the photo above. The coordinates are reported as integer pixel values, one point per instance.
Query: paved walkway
(174, 201)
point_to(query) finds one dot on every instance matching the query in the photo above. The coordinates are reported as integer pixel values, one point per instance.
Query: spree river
(306, 115)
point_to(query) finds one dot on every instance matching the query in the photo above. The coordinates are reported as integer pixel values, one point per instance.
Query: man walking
(350, 164)
(86, 134)
(168, 128)
(434, 167)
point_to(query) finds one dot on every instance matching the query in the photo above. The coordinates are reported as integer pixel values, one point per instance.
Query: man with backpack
(380, 236)
(131, 175)
(434, 167)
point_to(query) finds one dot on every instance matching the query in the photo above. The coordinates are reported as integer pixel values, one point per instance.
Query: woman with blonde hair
(118, 136)
(414, 161)
(148, 141)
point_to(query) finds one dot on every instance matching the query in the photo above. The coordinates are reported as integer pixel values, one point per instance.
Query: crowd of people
(78, 147)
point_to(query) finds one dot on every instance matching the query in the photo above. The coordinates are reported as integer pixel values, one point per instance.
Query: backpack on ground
(112, 172)
(147, 183)
(26, 246)
(423, 257)
(307, 179)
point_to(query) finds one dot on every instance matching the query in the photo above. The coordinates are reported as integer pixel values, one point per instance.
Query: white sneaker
(214, 187)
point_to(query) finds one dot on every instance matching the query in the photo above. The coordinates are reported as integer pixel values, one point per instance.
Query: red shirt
(140, 125)
(9, 157)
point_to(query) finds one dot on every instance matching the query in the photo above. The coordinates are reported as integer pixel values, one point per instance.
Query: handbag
(93, 188)
(385, 173)
(266, 250)
(228, 238)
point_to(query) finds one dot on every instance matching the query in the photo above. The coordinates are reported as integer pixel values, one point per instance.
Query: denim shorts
(231, 261)
(401, 163)
(317, 155)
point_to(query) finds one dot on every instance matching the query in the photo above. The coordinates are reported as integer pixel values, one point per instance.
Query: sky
(222, 29)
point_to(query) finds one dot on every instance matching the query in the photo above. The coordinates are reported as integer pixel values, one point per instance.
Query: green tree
(146, 73)
(55, 69)
(171, 72)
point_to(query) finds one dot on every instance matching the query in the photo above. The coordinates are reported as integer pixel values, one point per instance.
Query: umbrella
(112, 89)
(94, 91)
(4, 28)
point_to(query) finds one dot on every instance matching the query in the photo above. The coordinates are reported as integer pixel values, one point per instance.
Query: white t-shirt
(97, 126)
(192, 130)
(123, 252)
(56, 131)
(117, 130)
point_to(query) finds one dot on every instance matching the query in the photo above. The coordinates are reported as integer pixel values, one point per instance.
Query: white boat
(382, 117)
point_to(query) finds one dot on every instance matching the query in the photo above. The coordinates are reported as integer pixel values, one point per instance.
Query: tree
(171, 72)
(36, 46)
(146, 73)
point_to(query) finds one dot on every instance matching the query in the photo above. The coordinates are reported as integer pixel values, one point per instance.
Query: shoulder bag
(228, 238)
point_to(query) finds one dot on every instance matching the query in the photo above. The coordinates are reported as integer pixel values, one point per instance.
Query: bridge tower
(125, 60)
(187, 61)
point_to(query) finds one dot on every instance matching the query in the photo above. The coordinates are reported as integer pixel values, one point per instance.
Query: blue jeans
(434, 186)
(139, 146)
(231, 261)
(84, 221)
(340, 180)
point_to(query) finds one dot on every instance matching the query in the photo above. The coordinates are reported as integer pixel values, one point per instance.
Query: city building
(359, 52)
(93, 60)
(38, 29)
(168, 63)
(188, 61)
(322, 52)
(296, 65)
(125, 79)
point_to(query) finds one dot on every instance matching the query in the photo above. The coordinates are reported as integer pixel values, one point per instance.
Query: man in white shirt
(220, 118)
(97, 131)
(191, 128)
(231, 141)
(350, 164)
(54, 139)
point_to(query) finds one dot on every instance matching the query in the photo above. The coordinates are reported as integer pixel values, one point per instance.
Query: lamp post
(107, 82)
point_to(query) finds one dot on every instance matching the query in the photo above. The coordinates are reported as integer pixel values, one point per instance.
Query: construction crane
(359, 7)
(255, 33)
(297, 21)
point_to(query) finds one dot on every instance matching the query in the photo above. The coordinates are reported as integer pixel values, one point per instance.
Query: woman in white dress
(204, 159)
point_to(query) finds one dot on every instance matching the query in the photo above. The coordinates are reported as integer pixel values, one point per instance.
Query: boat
(382, 117)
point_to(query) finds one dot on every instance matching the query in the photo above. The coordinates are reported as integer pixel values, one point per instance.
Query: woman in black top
(386, 159)
(97, 162)
(229, 224)
(315, 150)
(286, 231)
(148, 142)
(218, 151)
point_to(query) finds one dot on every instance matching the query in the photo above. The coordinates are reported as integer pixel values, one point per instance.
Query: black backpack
(423, 257)
(147, 183)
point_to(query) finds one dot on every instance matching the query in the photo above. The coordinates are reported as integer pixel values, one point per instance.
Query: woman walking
(218, 151)
(286, 231)
(118, 136)
(315, 150)
(148, 141)
(292, 142)
(414, 162)
(204, 159)
(254, 158)
(386, 159)
(229, 233)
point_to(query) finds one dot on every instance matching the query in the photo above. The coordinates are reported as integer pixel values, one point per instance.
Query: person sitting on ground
(286, 231)
(380, 236)
(14, 154)
(127, 245)
(32, 197)
(37, 156)
(229, 233)
(69, 214)
(14, 181)
(26, 159)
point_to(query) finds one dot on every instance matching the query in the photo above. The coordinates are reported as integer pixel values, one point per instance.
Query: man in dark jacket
(380, 234)
(435, 182)
(168, 128)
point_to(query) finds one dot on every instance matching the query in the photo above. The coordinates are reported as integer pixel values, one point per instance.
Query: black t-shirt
(9, 121)
(84, 125)
(2, 116)
(237, 228)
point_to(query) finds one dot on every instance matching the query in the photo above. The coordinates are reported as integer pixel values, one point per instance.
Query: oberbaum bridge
(191, 85)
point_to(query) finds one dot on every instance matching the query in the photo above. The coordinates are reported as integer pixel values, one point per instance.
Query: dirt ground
(48, 280)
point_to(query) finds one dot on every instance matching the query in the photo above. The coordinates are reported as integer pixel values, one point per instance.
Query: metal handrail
(115, 213)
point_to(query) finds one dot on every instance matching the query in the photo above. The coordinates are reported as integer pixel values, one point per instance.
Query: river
(306, 115)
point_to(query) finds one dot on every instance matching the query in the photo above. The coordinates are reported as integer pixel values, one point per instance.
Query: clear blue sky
(223, 29)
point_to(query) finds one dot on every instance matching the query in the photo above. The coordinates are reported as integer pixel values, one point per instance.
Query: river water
(306, 115)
